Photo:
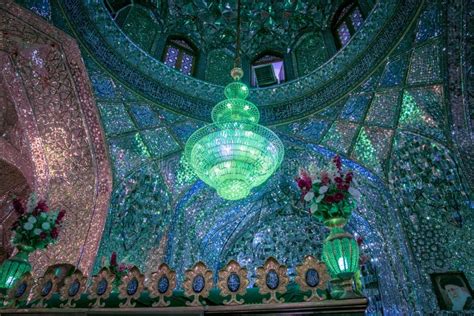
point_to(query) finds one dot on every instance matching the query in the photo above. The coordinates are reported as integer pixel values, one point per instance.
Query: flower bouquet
(37, 226)
(330, 193)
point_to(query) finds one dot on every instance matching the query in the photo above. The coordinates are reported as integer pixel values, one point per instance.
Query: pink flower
(337, 162)
(324, 178)
(42, 206)
(54, 232)
(113, 259)
(338, 197)
(304, 181)
(18, 206)
(349, 177)
(338, 180)
(329, 199)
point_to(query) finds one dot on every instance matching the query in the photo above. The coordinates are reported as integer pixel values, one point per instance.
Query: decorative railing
(200, 292)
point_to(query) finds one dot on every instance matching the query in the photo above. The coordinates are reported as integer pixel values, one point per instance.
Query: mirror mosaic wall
(389, 103)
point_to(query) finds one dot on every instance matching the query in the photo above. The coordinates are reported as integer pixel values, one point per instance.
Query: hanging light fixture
(234, 154)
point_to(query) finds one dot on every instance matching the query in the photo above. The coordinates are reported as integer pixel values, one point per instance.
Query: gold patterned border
(163, 274)
(237, 273)
(311, 265)
(131, 287)
(44, 289)
(20, 290)
(96, 290)
(74, 286)
(272, 278)
(198, 283)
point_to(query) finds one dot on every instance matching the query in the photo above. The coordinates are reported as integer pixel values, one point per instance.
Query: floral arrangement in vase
(37, 226)
(330, 193)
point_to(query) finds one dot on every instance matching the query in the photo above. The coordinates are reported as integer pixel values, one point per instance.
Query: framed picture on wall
(452, 291)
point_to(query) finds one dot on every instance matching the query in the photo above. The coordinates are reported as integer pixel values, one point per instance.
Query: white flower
(32, 219)
(320, 198)
(313, 208)
(323, 189)
(355, 193)
(28, 226)
(37, 231)
(46, 226)
(43, 215)
(309, 196)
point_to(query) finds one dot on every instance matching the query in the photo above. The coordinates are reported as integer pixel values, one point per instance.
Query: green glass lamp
(234, 154)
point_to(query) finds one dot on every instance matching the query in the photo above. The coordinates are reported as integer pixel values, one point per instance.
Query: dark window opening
(180, 55)
(346, 22)
(267, 70)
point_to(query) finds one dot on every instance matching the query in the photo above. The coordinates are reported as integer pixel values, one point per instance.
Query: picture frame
(452, 291)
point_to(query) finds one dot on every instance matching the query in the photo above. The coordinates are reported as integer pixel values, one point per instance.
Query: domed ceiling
(212, 24)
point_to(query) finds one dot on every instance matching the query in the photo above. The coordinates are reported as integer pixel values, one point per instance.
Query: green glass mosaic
(372, 147)
(115, 118)
(340, 135)
(384, 109)
(219, 64)
(140, 27)
(127, 153)
(425, 65)
(159, 142)
(421, 112)
(310, 53)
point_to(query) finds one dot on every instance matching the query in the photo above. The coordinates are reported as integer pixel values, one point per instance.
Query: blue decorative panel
(384, 109)
(429, 24)
(340, 135)
(145, 116)
(395, 71)
(159, 142)
(355, 107)
(127, 153)
(115, 118)
(425, 65)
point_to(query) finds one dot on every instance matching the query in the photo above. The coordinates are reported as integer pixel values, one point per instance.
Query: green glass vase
(12, 269)
(341, 255)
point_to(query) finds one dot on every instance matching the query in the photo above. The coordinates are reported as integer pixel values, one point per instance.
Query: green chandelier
(234, 154)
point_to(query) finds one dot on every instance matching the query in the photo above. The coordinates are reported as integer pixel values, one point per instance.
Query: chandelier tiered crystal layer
(234, 154)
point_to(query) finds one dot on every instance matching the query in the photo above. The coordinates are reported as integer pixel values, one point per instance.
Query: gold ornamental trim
(270, 269)
(311, 263)
(163, 271)
(109, 277)
(199, 273)
(233, 268)
(44, 289)
(75, 279)
(133, 275)
(20, 290)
